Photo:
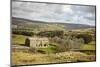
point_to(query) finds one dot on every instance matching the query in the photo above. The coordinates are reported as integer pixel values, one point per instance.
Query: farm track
(19, 47)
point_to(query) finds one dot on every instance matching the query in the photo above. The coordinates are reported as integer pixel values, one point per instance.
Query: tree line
(57, 33)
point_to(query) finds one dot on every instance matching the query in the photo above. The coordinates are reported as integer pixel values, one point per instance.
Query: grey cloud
(86, 9)
(39, 10)
(90, 18)
(52, 12)
(82, 14)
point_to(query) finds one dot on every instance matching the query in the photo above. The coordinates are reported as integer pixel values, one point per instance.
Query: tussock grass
(20, 58)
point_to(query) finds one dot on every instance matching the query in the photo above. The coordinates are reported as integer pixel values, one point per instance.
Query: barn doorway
(27, 42)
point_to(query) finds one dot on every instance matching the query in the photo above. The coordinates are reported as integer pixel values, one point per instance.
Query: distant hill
(47, 25)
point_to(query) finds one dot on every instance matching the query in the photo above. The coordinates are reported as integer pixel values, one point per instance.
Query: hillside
(40, 25)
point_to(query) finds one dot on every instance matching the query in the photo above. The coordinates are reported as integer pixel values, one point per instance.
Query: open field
(26, 56)
(18, 39)
(21, 58)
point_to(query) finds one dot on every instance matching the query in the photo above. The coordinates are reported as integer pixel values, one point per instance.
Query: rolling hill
(40, 25)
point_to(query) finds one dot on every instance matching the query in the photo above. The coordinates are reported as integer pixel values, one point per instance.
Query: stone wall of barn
(38, 42)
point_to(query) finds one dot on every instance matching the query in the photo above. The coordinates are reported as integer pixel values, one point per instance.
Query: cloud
(85, 9)
(37, 10)
(67, 9)
(83, 14)
(90, 16)
(54, 12)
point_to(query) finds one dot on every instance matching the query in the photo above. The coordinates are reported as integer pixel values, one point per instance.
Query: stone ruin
(37, 42)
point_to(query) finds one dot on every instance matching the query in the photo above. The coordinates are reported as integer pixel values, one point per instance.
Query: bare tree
(69, 43)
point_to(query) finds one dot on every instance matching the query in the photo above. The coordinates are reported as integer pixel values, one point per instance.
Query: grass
(25, 58)
(92, 43)
(89, 46)
(50, 49)
(51, 27)
(20, 58)
(18, 39)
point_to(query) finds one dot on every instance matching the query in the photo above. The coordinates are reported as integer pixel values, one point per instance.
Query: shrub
(23, 32)
(87, 38)
(51, 33)
(68, 43)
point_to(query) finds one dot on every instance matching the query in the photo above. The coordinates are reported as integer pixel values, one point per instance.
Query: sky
(59, 13)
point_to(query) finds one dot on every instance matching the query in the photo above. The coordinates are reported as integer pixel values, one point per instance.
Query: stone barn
(37, 42)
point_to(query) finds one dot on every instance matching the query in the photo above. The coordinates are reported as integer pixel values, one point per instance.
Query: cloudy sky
(54, 12)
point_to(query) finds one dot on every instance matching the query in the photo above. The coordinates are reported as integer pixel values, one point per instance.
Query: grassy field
(50, 49)
(18, 39)
(21, 58)
(88, 47)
